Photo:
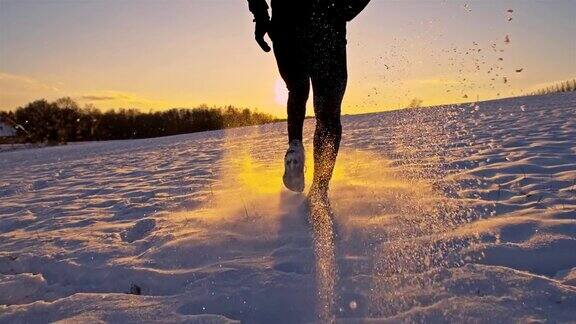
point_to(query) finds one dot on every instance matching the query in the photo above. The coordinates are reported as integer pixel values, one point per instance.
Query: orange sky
(155, 55)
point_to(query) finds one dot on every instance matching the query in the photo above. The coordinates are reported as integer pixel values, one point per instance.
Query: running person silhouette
(309, 40)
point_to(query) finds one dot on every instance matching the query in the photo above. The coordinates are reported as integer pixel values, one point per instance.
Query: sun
(280, 92)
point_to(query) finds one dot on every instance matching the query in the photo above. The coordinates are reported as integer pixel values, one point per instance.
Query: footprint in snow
(139, 230)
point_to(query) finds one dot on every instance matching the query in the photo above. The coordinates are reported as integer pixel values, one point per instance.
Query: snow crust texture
(448, 214)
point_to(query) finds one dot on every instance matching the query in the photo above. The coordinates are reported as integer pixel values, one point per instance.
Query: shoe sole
(288, 178)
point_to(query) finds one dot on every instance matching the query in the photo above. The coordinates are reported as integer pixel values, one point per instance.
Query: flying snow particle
(509, 14)
(353, 305)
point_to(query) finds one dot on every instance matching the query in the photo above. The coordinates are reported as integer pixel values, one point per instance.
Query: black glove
(262, 28)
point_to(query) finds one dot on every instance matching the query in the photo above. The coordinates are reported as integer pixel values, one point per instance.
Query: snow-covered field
(463, 214)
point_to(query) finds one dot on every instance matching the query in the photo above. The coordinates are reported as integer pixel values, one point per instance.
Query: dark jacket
(297, 12)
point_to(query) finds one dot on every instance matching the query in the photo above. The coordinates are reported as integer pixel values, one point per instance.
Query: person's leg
(292, 64)
(329, 78)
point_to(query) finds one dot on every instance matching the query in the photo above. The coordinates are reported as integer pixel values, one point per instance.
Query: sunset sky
(154, 54)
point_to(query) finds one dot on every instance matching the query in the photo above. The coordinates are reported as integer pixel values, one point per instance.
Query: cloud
(16, 90)
(103, 98)
(16, 83)
(118, 99)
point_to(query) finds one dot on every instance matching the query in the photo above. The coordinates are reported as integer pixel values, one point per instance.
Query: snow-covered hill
(463, 214)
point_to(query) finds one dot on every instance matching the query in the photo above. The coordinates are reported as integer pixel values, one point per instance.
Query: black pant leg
(292, 58)
(329, 78)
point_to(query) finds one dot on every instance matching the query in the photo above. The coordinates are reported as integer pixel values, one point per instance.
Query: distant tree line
(566, 86)
(64, 121)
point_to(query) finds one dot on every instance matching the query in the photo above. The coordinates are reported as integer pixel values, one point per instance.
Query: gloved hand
(262, 28)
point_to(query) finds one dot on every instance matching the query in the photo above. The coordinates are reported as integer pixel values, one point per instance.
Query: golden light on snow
(370, 198)
(256, 177)
(280, 92)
